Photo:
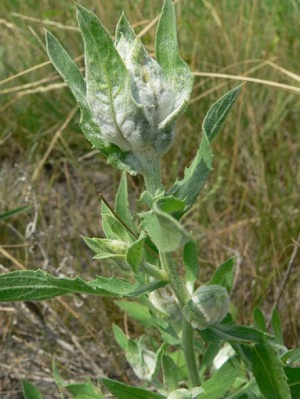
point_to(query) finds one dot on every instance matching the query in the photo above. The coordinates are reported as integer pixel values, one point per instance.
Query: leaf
(122, 204)
(104, 248)
(166, 232)
(143, 361)
(120, 337)
(84, 390)
(108, 81)
(171, 379)
(233, 333)
(145, 288)
(72, 76)
(190, 260)
(259, 320)
(196, 174)
(293, 375)
(208, 357)
(277, 327)
(219, 384)
(112, 227)
(30, 391)
(217, 114)
(175, 70)
(29, 285)
(135, 253)
(15, 211)
(124, 391)
(136, 311)
(268, 372)
(224, 275)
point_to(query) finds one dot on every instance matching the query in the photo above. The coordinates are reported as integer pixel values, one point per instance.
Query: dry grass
(249, 207)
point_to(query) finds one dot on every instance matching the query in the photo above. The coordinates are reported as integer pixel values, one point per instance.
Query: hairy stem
(189, 352)
(151, 172)
(152, 177)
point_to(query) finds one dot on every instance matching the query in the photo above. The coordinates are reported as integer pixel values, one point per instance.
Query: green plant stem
(189, 352)
(183, 297)
(151, 171)
(174, 278)
(152, 177)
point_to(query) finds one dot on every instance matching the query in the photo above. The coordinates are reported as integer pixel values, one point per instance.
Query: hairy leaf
(268, 372)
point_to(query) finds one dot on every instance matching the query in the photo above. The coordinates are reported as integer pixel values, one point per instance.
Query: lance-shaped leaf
(219, 384)
(224, 275)
(124, 391)
(104, 248)
(30, 391)
(122, 208)
(268, 371)
(108, 81)
(29, 285)
(72, 76)
(196, 174)
(175, 70)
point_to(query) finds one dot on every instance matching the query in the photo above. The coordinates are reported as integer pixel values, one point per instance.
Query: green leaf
(72, 76)
(170, 373)
(233, 333)
(277, 327)
(219, 384)
(143, 361)
(112, 227)
(259, 320)
(175, 70)
(196, 174)
(217, 114)
(145, 288)
(135, 253)
(84, 390)
(120, 337)
(268, 372)
(124, 30)
(224, 275)
(293, 375)
(137, 311)
(104, 248)
(123, 391)
(208, 357)
(122, 204)
(190, 260)
(30, 391)
(170, 205)
(29, 285)
(15, 211)
(292, 357)
(108, 81)
(166, 232)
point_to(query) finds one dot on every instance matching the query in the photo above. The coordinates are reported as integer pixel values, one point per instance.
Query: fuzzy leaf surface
(219, 384)
(269, 373)
(175, 70)
(123, 391)
(224, 275)
(72, 76)
(122, 208)
(196, 174)
(29, 285)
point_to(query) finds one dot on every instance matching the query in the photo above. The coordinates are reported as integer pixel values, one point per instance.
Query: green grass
(250, 205)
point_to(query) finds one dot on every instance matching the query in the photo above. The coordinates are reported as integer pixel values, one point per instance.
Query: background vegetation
(250, 206)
